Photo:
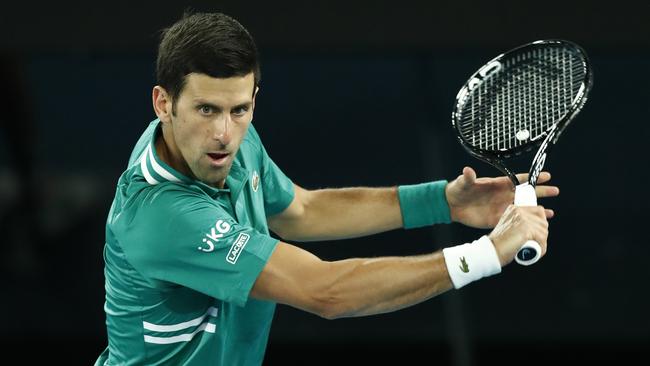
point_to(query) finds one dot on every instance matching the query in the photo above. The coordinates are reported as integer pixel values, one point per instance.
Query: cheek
(189, 138)
(242, 128)
(239, 133)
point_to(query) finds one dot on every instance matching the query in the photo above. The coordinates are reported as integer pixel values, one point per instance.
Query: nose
(222, 129)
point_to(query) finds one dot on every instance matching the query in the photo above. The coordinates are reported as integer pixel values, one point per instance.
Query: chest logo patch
(216, 233)
(255, 181)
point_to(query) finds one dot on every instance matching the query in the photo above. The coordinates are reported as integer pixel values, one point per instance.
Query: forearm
(365, 286)
(345, 213)
(372, 286)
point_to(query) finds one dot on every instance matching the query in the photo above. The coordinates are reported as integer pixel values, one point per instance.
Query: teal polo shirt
(181, 258)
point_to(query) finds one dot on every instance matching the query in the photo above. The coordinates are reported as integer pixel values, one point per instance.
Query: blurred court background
(352, 93)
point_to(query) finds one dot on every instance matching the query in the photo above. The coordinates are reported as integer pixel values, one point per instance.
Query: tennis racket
(521, 100)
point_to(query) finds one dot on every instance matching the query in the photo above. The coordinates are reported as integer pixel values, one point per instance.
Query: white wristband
(472, 261)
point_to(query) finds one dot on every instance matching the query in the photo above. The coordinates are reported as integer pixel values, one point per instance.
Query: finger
(547, 191)
(541, 211)
(469, 175)
(543, 177)
(522, 177)
(549, 213)
(538, 211)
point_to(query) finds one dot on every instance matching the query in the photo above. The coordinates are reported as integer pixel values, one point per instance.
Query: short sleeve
(278, 188)
(191, 241)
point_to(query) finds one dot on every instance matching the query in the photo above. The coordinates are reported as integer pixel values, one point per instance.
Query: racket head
(521, 99)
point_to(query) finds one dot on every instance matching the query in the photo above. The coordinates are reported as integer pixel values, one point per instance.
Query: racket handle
(531, 251)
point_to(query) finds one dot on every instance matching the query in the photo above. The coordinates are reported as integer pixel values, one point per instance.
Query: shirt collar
(156, 171)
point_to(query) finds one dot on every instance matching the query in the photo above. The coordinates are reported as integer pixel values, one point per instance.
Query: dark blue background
(352, 94)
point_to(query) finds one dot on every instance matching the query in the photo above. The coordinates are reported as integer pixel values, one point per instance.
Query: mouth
(218, 158)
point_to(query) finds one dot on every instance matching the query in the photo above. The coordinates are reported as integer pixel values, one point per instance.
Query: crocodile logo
(255, 182)
(463, 265)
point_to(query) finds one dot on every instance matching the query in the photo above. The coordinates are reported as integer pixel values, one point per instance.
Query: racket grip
(531, 251)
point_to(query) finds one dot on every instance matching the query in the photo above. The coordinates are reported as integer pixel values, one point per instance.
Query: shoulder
(158, 216)
(162, 207)
(175, 198)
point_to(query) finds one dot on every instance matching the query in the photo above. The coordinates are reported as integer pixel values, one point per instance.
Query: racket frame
(545, 140)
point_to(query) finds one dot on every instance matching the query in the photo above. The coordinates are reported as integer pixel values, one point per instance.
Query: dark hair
(207, 43)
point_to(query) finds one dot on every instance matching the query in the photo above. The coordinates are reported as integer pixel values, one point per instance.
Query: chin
(215, 181)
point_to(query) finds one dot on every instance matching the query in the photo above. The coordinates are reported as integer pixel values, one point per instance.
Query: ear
(162, 103)
(257, 89)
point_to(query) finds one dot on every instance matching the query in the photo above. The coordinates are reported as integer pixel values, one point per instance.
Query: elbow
(331, 312)
(292, 224)
(287, 234)
(281, 233)
(289, 228)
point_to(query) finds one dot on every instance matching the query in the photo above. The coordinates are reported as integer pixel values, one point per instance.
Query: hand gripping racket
(520, 100)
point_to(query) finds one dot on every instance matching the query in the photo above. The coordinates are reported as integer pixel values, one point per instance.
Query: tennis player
(192, 274)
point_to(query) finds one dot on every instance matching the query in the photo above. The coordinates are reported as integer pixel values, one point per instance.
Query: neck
(169, 153)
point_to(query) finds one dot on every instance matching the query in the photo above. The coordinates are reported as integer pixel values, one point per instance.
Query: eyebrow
(201, 102)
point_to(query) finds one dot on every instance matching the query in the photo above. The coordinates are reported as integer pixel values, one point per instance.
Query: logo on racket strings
(485, 71)
(483, 74)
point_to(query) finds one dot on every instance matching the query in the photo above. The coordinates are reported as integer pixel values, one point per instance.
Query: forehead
(236, 89)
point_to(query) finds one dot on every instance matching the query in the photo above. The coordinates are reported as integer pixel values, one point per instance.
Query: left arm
(329, 214)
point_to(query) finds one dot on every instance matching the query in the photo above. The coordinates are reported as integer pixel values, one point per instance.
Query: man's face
(211, 119)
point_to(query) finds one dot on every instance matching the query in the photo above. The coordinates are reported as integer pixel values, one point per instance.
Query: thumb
(469, 176)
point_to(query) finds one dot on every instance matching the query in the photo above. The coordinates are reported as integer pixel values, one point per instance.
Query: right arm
(358, 287)
(351, 287)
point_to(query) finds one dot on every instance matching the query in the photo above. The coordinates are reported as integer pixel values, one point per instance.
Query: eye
(240, 111)
(206, 110)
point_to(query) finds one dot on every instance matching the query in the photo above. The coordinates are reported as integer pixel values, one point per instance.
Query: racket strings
(522, 101)
(523, 112)
(520, 104)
